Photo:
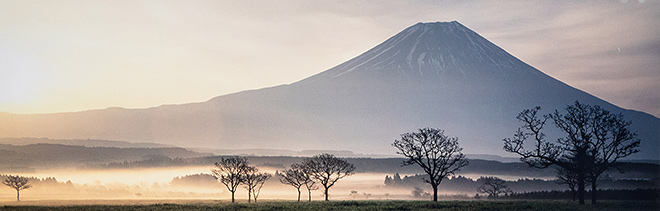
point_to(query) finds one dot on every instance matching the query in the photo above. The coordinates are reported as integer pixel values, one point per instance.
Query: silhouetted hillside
(80, 142)
(54, 155)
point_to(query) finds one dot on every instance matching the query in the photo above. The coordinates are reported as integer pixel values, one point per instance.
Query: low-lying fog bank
(195, 182)
(62, 172)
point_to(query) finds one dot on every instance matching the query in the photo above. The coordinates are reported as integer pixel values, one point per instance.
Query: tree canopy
(231, 172)
(594, 141)
(18, 183)
(327, 170)
(437, 154)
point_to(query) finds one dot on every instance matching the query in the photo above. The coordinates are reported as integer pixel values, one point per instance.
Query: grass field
(357, 205)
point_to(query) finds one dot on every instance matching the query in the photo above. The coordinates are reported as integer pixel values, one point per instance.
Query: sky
(66, 56)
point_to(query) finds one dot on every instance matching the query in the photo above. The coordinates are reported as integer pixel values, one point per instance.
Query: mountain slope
(80, 142)
(440, 75)
(57, 155)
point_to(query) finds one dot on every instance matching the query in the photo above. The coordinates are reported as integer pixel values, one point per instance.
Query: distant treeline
(468, 185)
(197, 181)
(48, 181)
(652, 194)
(464, 188)
(148, 162)
(390, 165)
(51, 188)
(28, 157)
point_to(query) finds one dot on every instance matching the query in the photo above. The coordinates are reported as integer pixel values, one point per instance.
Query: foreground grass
(368, 205)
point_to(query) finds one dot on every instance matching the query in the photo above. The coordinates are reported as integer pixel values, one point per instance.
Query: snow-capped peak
(425, 49)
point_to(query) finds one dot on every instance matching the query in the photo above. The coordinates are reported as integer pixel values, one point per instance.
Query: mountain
(80, 142)
(441, 75)
(57, 155)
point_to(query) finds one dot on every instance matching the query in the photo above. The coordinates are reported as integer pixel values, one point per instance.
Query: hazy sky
(58, 56)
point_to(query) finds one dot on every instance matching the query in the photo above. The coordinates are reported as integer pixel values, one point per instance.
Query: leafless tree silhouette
(354, 193)
(327, 170)
(309, 182)
(231, 172)
(18, 183)
(569, 178)
(296, 177)
(438, 155)
(493, 186)
(595, 140)
(254, 181)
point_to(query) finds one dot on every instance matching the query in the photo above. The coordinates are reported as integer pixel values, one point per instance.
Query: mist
(61, 172)
(194, 182)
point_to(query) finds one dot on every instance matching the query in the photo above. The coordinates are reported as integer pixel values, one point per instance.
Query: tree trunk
(326, 194)
(435, 192)
(310, 194)
(18, 195)
(581, 187)
(574, 193)
(249, 196)
(298, 194)
(232, 197)
(593, 191)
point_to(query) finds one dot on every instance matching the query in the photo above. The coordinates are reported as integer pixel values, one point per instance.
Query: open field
(320, 205)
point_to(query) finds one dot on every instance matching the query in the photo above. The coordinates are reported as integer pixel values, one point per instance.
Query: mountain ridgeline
(440, 75)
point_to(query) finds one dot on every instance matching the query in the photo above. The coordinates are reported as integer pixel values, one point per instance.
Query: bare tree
(595, 140)
(297, 177)
(354, 193)
(569, 178)
(293, 177)
(366, 195)
(327, 170)
(438, 155)
(612, 140)
(256, 182)
(249, 179)
(418, 192)
(18, 183)
(231, 172)
(493, 186)
(309, 182)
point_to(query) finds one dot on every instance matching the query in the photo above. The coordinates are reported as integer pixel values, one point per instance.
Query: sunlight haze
(63, 56)
(340, 105)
